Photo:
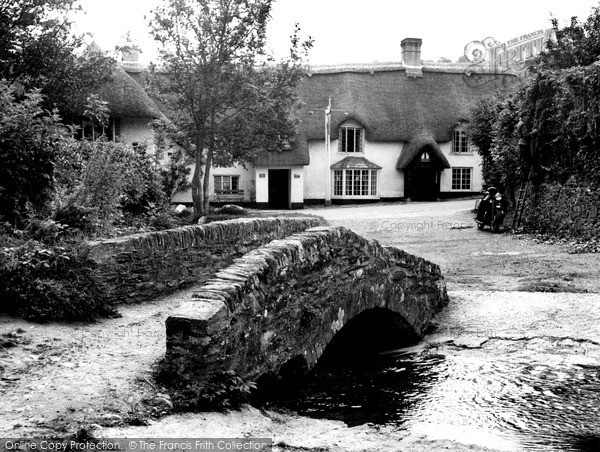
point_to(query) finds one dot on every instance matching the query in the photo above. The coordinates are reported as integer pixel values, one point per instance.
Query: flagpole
(328, 151)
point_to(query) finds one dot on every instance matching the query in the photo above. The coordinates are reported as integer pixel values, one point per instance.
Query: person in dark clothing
(525, 148)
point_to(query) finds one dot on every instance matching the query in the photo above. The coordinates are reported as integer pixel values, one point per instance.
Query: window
(90, 131)
(337, 182)
(350, 139)
(425, 157)
(355, 182)
(460, 141)
(227, 183)
(461, 178)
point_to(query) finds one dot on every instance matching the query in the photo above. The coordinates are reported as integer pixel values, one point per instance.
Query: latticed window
(350, 139)
(355, 182)
(461, 178)
(460, 142)
(337, 182)
(227, 183)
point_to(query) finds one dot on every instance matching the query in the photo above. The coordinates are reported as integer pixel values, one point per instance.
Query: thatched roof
(127, 99)
(389, 105)
(355, 163)
(297, 156)
(412, 149)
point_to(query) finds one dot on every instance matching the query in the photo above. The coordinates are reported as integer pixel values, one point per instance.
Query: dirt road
(445, 233)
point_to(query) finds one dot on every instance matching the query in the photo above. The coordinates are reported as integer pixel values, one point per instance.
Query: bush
(222, 391)
(142, 190)
(44, 283)
(78, 217)
(29, 141)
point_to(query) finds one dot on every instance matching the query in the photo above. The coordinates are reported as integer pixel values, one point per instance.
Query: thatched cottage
(397, 131)
(131, 108)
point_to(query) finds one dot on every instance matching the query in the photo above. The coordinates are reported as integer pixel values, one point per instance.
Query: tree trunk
(197, 180)
(208, 163)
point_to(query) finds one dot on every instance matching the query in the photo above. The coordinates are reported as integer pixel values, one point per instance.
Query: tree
(225, 94)
(38, 51)
(577, 44)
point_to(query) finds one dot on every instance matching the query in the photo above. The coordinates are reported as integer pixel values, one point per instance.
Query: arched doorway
(422, 177)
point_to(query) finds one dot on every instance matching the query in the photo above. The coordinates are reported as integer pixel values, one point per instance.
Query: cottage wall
(469, 160)
(247, 183)
(137, 130)
(390, 183)
(297, 176)
(316, 179)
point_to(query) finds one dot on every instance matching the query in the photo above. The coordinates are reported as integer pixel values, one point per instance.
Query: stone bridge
(294, 299)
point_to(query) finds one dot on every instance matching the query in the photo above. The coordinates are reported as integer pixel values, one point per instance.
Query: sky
(353, 31)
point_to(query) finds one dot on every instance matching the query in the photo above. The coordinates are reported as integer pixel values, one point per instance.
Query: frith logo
(511, 56)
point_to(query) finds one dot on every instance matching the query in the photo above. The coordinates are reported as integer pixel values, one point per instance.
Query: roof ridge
(398, 66)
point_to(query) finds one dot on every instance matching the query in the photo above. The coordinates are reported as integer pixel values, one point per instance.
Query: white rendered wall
(390, 180)
(297, 183)
(262, 184)
(137, 130)
(246, 183)
(468, 160)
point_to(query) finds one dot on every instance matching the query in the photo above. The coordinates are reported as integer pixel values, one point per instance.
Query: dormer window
(460, 141)
(351, 138)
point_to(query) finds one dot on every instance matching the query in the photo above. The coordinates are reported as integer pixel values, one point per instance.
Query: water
(534, 391)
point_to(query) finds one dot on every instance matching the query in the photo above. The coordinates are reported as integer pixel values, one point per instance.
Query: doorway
(422, 177)
(279, 189)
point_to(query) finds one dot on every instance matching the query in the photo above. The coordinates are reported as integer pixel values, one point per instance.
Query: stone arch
(365, 335)
(291, 297)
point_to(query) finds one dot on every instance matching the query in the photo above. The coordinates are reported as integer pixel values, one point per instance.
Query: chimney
(130, 54)
(411, 56)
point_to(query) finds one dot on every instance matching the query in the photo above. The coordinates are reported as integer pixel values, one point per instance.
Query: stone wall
(570, 210)
(143, 266)
(289, 298)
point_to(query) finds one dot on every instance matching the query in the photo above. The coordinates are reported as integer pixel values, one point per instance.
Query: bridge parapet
(142, 266)
(288, 299)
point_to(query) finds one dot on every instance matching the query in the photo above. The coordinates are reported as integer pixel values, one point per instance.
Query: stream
(503, 370)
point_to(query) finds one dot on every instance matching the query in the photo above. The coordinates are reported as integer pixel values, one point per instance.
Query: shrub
(102, 180)
(43, 283)
(142, 189)
(78, 217)
(29, 141)
(222, 391)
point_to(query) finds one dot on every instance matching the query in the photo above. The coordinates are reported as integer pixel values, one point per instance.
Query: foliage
(113, 182)
(561, 102)
(175, 173)
(564, 107)
(44, 283)
(228, 98)
(30, 140)
(577, 44)
(38, 50)
(222, 391)
(102, 180)
(142, 188)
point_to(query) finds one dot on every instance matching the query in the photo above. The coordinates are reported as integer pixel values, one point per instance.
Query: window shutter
(341, 140)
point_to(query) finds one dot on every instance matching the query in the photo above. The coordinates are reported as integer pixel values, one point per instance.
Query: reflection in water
(527, 394)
